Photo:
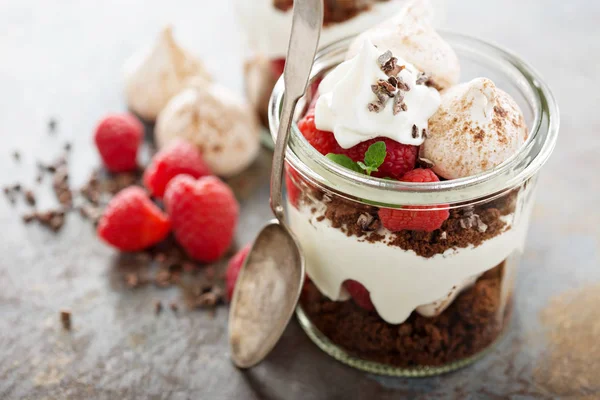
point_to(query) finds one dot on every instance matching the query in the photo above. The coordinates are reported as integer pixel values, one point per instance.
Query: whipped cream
(399, 281)
(346, 92)
(267, 29)
(477, 127)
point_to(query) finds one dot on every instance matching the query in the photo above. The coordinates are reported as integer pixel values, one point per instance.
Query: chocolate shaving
(426, 163)
(386, 87)
(399, 104)
(402, 85)
(388, 64)
(52, 124)
(415, 132)
(422, 78)
(472, 220)
(158, 307)
(65, 320)
(30, 197)
(376, 107)
(368, 222)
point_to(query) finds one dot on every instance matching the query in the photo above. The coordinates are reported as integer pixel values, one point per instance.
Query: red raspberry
(204, 215)
(131, 222)
(418, 218)
(118, 137)
(234, 267)
(277, 66)
(400, 158)
(359, 294)
(181, 157)
(292, 180)
(323, 141)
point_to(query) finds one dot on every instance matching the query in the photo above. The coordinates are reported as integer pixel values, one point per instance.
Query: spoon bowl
(269, 286)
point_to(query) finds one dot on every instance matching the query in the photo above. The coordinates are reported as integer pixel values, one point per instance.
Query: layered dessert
(409, 285)
(266, 25)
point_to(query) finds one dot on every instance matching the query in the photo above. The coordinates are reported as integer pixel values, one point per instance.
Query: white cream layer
(399, 281)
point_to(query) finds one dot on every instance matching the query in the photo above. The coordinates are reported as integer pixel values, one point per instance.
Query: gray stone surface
(63, 59)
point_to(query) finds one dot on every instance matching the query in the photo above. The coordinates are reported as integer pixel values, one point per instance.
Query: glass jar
(438, 300)
(266, 25)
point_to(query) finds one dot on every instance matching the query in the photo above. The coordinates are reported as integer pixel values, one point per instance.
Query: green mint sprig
(374, 157)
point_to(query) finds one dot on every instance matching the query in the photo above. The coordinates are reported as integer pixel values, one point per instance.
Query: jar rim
(509, 174)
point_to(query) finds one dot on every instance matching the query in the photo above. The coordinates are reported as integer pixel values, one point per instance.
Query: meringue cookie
(410, 35)
(155, 74)
(476, 128)
(216, 120)
(259, 81)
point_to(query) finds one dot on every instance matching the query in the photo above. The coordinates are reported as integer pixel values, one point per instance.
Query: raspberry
(323, 141)
(234, 267)
(179, 158)
(131, 222)
(204, 215)
(118, 137)
(420, 175)
(359, 294)
(400, 158)
(292, 180)
(277, 66)
(418, 218)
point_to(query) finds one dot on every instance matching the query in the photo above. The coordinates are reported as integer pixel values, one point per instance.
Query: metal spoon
(269, 284)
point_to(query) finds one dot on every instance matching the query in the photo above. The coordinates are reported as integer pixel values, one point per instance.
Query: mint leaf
(365, 168)
(344, 161)
(375, 155)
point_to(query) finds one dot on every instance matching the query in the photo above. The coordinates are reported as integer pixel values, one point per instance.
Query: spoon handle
(304, 40)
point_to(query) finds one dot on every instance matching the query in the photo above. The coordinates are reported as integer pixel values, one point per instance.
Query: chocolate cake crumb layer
(466, 225)
(466, 327)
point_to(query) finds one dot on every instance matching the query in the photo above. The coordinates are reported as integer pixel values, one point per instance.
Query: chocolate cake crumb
(158, 307)
(52, 125)
(132, 280)
(174, 307)
(30, 197)
(65, 319)
(467, 326)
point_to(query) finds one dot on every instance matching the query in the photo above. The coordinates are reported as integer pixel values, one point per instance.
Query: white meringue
(155, 74)
(216, 120)
(411, 36)
(476, 128)
(259, 80)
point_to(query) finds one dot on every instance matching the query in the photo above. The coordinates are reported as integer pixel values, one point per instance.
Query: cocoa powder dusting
(570, 365)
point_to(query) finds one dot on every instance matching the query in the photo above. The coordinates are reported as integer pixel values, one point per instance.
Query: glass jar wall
(409, 302)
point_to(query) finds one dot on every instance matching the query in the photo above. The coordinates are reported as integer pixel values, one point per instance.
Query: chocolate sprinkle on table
(65, 319)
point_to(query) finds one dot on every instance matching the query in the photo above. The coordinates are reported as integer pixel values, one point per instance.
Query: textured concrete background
(63, 58)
